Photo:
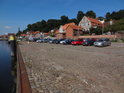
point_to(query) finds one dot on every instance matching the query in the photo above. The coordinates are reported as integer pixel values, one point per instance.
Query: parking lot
(74, 69)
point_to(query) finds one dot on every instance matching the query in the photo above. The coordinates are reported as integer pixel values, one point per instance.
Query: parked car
(40, 41)
(102, 42)
(61, 42)
(45, 40)
(88, 42)
(52, 41)
(77, 42)
(31, 39)
(58, 41)
(35, 39)
(66, 41)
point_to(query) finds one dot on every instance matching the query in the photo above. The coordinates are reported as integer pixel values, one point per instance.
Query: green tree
(97, 31)
(121, 14)
(118, 26)
(29, 26)
(91, 14)
(73, 20)
(108, 16)
(115, 15)
(18, 34)
(80, 15)
(64, 20)
(101, 18)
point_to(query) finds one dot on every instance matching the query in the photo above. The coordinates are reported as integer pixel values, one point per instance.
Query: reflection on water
(7, 69)
(14, 73)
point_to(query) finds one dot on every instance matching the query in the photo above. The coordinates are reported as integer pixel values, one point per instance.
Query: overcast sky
(20, 13)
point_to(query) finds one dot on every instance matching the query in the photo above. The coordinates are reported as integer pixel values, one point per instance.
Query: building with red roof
(69, 30)
(86, 23)
(23, 35)
(34, 32)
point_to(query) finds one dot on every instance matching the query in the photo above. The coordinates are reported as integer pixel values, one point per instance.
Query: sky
(16, 14)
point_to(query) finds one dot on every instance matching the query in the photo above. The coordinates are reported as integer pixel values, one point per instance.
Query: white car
(62, 42)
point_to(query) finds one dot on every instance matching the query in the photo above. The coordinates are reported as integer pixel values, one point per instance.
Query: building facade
(86, 23)
(69, 31)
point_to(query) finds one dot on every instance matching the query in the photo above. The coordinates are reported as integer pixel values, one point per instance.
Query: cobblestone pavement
(54, 68)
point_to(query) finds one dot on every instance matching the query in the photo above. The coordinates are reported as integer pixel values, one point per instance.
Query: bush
(122, 40)
(114, 40)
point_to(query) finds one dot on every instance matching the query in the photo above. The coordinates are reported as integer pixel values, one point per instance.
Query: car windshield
(86, 39)
(66, 40)
(100, 40)
(103, 40)
(76, 40)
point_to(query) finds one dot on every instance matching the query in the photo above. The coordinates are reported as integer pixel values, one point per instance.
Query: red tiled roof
(94, 21)
(64, 27)
(56, 31)
(72, 25)
(46, 33)
(23, 35)
(36, 32)
(75, 27)
(11, 34)
(3, 35)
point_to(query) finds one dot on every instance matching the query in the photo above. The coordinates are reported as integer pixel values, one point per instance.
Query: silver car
(102, 42)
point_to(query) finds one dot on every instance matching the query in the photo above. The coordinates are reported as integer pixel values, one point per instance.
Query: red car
(77, 42)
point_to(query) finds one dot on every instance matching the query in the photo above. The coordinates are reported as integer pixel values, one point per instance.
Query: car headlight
(99, 43)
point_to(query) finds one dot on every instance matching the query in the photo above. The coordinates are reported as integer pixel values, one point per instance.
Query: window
(64, 34)
(84, 24)
(75, 33)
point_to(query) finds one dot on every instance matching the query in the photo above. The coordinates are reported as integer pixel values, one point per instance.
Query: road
(54, 68)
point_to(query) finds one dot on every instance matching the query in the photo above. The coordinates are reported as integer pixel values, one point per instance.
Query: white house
(86, 23)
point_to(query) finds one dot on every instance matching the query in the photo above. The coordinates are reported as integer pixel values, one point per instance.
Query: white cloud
(7, 27)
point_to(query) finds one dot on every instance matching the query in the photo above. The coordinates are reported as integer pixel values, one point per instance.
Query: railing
(23, 85)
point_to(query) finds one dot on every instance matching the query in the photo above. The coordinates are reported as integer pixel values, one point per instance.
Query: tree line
(46, 26)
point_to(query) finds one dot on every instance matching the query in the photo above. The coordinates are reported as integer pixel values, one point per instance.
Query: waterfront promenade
(57, 68)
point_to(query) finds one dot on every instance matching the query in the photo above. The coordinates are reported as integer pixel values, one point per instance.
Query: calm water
(7, 74)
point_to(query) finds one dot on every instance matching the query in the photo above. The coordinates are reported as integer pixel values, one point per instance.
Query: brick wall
(120, 35)
(70, 33)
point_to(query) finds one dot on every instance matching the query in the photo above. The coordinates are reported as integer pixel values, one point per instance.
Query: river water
(7, 67)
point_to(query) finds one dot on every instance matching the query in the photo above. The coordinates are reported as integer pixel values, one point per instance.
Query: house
(111, 22)
(4, 36)
(86, 23)
(23, 35)
(34, 34)
(69, 30)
